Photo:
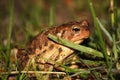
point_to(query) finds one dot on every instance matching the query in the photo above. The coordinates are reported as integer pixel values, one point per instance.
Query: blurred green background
(32, 16)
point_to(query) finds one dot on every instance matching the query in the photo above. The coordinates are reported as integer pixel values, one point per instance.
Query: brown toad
(44, 53)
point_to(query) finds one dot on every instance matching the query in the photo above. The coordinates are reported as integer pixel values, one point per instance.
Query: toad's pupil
(75, 29)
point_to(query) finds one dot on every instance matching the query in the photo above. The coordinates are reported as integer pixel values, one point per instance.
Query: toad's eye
(75, 29)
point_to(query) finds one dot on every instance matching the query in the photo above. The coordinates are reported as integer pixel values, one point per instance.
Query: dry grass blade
(32, 72)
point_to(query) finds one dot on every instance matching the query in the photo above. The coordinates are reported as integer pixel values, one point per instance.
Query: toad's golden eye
(76, 29)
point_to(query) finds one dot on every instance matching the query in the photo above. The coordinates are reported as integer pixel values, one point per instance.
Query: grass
(100, 38)
(110, 63)
(9, 33)
(6, 56)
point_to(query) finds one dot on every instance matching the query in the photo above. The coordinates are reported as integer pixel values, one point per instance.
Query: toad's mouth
(79, 41)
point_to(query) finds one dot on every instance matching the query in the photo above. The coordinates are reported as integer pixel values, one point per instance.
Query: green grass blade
(11, 6)
(99, 33)
(104, 30)
(87, 50)
(101, 39)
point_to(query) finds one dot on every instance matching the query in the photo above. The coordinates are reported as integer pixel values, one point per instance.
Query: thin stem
(11, 5)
